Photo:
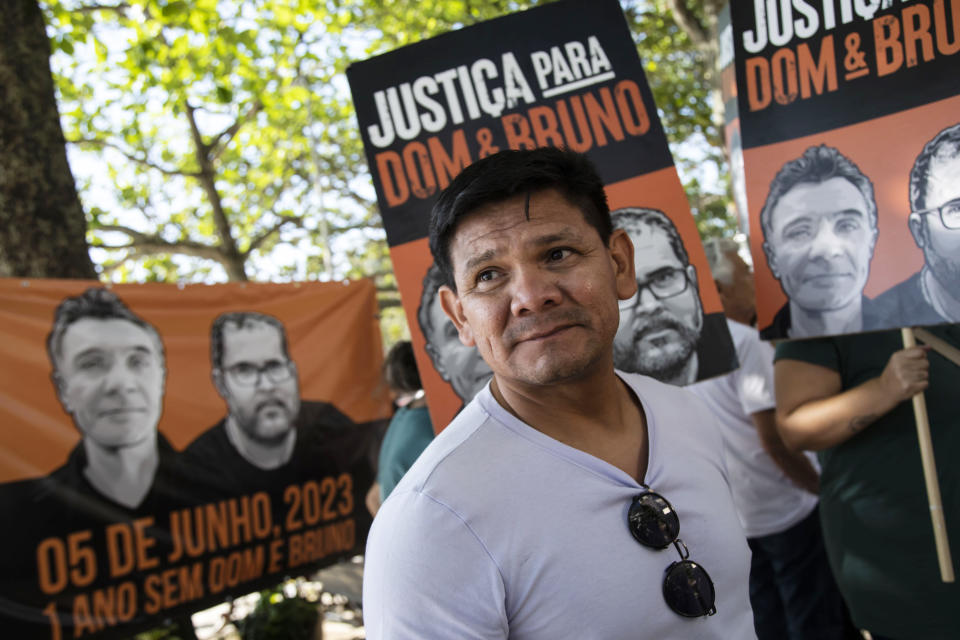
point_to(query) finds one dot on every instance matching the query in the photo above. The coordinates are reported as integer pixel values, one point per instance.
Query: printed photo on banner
(852, 163)
(131, 508)
(565, 74)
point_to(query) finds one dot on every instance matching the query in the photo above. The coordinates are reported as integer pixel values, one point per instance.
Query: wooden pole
(942, 347)
(930, 474)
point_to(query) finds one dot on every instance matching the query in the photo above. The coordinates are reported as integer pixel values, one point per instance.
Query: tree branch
(90, 8)
(232, 259)
(264, 235)
(222, 139)
(687, 20)
(100, 142)
(151, 243)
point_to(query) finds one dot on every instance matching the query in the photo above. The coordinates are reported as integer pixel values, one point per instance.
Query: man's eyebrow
(849, 212)
(97, 350)
(564, 235)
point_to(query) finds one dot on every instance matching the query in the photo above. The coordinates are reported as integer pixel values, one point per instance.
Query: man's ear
(60, 387)
(625, 271)
(771, 259)
(692, 276)
(217, 375)
(450, 303)
(915, 222)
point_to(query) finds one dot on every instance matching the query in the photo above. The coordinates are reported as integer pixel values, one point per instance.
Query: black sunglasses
(687, 586)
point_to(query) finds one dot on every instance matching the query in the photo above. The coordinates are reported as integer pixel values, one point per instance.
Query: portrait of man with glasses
(932, 295)
(663, 331)
(269, 435)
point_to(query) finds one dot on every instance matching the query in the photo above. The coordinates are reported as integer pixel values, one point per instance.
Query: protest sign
(565, 74)
(850, 118)
(167, 447)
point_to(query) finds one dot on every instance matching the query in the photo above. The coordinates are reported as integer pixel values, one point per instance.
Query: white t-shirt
(767, 501)
(500, 531)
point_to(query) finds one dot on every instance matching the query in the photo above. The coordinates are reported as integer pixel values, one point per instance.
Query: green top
(408, 435)
(873, 502)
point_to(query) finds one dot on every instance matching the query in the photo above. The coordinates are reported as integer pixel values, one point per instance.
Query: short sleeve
(754, 379)
(819, 351)
(418, 553)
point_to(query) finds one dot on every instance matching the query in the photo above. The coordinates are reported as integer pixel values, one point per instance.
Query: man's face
(537, 294)
(258, 382)
(110, 376)
(941, 245)
(820, 244)
(456, 363)
(658, 335)
(738, 297)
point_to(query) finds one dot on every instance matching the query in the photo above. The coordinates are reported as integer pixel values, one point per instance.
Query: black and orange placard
(76, 565)
(565, 74)
(874, 80)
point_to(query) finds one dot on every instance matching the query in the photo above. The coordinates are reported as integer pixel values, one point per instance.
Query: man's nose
(118, 379)
(826, 243)
(263, 382)
(646, 301)
(533, 290)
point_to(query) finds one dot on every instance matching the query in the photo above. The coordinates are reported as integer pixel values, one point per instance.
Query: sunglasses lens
(688, 589)
(653, 521)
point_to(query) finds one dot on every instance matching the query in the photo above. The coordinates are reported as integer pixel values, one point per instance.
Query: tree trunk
(42, 226)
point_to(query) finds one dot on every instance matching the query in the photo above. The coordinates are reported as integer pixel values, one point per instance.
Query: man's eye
(92, 364)
(558, 254)
(797, 233)
(244, 368)
(486, 275)
(138, 361)
(848, 226)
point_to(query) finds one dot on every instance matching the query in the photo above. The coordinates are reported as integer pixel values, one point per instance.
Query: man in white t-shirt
(553, 506)
(792, 590)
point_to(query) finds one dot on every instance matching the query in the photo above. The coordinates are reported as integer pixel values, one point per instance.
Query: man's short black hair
(817, 164)
(506, 174)
(945, 145)
(98, 303)
(241, 320)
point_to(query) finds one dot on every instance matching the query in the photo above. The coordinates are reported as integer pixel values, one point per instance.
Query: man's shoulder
(211, 441)
(901, 305)
(318, 413)
(779, 327)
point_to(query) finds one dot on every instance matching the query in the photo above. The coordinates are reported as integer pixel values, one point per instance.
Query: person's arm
(814, 413)
(427, 576)
(372, 499)
(794, 464)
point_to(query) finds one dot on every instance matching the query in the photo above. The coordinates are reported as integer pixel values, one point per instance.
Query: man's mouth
(826, 279)
(271, 405)
(120, 412)
(544, 335)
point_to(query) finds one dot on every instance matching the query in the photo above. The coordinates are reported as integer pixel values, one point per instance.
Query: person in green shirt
(410, 430)
(848, 398)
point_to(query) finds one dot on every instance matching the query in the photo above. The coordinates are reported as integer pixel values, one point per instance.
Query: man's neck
(598, 414)
(262, 455)
(938, 297)
(848, 319)
(124, 474)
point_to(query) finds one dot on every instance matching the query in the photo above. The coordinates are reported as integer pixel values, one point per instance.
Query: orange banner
(165, 447)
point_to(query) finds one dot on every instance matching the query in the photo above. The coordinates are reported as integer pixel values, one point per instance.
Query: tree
(679, 45)
(41, 221)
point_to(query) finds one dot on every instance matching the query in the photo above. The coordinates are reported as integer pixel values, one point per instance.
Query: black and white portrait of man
(932, 295)
(663, 331)
(819, 226)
